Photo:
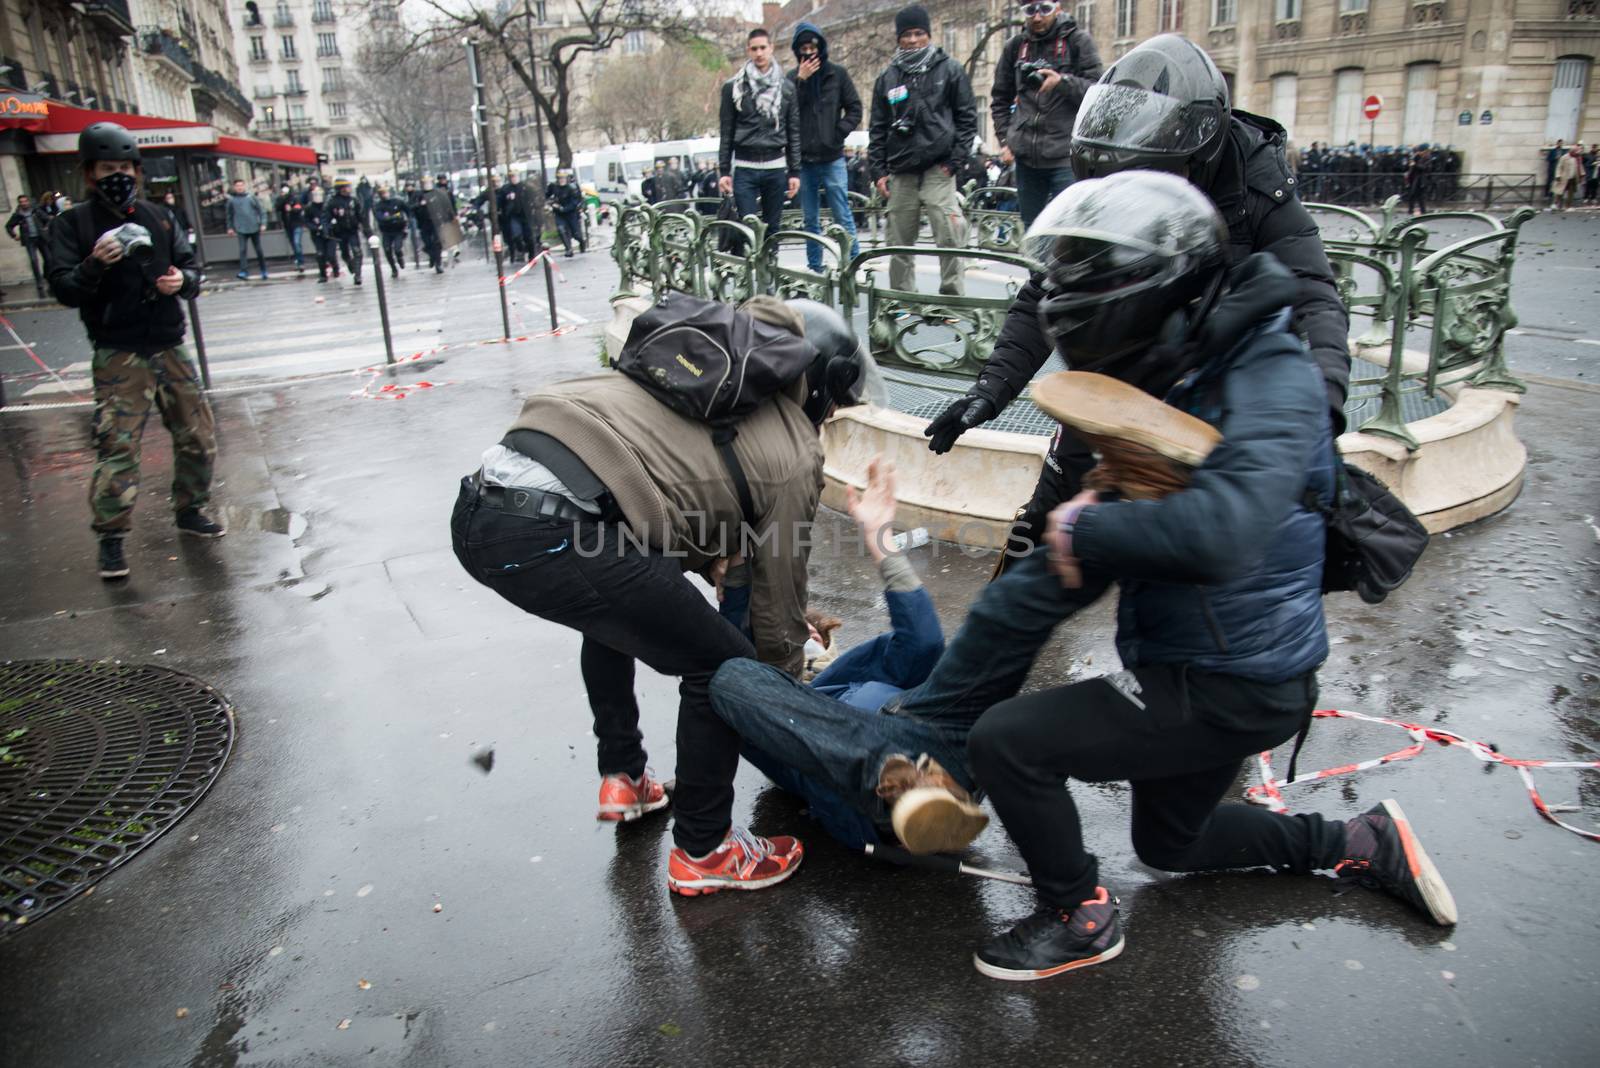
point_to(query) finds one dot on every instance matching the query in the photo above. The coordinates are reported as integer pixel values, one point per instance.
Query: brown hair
(825, 625)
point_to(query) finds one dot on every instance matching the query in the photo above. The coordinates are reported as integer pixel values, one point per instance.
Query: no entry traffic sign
(1371, 106)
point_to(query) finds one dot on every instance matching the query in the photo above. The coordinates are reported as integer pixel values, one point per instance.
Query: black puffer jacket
(748, 135)
(1039, 133)
(119, 304)
(829, 105)
(937, 105)
(1257, 195)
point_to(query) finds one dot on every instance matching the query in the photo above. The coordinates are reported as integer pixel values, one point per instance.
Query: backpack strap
(722, 437)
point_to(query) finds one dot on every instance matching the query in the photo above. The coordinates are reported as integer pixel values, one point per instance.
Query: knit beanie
(914, 17)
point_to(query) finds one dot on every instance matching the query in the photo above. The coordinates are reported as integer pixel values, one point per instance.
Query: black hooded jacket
(828, 102)
(1257, 195)
(938, 110)
(119, 304)
(1039, 133)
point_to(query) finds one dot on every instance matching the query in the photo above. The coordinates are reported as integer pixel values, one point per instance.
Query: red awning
(267, 151)
(64, 118)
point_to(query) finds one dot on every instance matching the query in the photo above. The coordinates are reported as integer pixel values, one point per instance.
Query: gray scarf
(768, 90)
(916, 60)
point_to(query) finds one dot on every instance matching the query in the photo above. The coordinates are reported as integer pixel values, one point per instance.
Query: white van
(619, 169)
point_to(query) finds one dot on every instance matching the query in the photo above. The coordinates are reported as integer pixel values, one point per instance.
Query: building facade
(1497, 80)
(298, 59)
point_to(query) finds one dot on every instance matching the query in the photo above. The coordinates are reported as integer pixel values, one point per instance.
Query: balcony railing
(324, 53)
(112, 14)
(219, 87)
(295, 90)
(332, 87)
(158, 42)
(264, 92)
(322, 15)
(283, 19)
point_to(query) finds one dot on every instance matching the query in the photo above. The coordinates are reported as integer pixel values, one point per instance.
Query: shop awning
(57, 132)
(267, 151)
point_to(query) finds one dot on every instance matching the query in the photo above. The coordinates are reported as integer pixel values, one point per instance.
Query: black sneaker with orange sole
(1382, 852)
(1053, 941)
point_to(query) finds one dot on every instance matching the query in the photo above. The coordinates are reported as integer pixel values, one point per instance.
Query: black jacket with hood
(1257, 195)
(119, 304)
(938, 106)
(828, 103)
(1039, 132)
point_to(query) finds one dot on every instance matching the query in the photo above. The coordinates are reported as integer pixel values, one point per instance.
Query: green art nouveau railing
(1387, 269)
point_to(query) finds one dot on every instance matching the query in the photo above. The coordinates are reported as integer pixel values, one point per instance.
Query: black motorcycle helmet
(1162, 107)
(843, 373)
(1130, 264)
(106, 140)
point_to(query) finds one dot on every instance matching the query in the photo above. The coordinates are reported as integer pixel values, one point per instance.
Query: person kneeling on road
(590, 509)
(1220, 626)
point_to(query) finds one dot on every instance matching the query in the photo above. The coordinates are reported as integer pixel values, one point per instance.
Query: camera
(135, 241)
(901, 126)
(1032, 72)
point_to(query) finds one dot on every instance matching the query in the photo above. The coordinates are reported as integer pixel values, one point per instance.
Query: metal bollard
(199, 341)
(375, 244)
(550, 288)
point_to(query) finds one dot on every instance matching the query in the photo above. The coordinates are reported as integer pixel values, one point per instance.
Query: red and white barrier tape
(399, 390)
(544, 254)
(43, 367)
(1269, 791)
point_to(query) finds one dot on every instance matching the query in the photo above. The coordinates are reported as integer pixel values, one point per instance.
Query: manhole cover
(97, 760)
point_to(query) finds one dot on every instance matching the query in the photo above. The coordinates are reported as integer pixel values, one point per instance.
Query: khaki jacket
(678, 497)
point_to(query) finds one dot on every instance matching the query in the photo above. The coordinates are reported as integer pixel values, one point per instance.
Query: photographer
(924, 123)
(120, 261)
(1044, 73)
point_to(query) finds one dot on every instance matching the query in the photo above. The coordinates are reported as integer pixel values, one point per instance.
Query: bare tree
(544, 57)
(627, 101)
(406, 82)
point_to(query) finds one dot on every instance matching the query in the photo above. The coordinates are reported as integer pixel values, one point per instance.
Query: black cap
(107, 140)
(914, 17)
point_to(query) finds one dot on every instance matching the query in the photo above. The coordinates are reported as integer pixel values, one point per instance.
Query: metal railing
(1372, 188)
(158, 42)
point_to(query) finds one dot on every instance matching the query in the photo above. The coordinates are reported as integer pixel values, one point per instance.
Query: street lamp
(271, 111)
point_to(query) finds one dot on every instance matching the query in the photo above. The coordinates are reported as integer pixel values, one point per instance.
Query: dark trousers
(349, 247)
(245, 241)
(1179, 741)
(1037, 187)
(570, 226)
(1415, 197)
(761, 191)
(629, 604)
(1060, 479)
(36, 261)
(394, 248)
(430, 245)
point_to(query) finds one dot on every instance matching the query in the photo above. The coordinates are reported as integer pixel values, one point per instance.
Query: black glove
(962, 415)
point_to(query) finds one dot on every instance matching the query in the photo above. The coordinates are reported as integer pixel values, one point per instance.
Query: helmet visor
(1129, 116)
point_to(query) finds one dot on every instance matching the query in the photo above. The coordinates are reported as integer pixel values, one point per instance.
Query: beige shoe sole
(1102, 406)
(930, 820)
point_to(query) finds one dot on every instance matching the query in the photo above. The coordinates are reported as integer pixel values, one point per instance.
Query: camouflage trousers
(126, 387)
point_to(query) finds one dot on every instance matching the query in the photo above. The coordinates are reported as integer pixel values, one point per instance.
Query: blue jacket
(1226, 575)
(869, 674)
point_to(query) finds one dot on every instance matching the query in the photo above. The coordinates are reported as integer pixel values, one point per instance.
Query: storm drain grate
(97, 760)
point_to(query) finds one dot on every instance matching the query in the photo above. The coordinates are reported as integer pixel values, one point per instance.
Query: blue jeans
(1037, 187)
(760, 191)
(295, 233)
(834, 180)
(245, 240)
(832, 753)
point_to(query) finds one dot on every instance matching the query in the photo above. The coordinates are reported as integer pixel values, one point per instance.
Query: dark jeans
(394, 249)
(1179, 741)
(245, 241)
(295, 233)
(1037, 187)
(36, 261)
(831, 753)
(629, 605)
(760, 192)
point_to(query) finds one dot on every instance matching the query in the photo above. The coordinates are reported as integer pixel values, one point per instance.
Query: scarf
(767, 88)
(916, 60)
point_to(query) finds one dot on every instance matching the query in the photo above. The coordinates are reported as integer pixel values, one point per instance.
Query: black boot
(113, 565)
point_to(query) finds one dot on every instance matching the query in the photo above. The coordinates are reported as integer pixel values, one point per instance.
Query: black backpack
(1373, 539)
(715, 364)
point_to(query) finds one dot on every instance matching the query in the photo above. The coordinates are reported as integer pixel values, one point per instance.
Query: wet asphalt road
(367, 669)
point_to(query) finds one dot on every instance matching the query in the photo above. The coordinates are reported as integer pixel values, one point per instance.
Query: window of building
(1285, 98)
(288, 47)
(336, 109)
(1127, 15)
(344, 148)
(1566, 98)
(284, 17)
(1083, 15)
(1352, 7)
(332, 79)
(1422, 102)
(1224, 12)
(258, 48)
(539, 12)
(327, 44)
(1287, 10)
(297, 114)
(633, 43)
(1171, 16)
(322, 11)
(1347, 119)
(292, 84)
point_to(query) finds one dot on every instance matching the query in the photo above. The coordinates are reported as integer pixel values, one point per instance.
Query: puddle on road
(268, 521)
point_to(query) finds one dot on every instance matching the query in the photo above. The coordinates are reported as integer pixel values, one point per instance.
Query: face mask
(118, 190)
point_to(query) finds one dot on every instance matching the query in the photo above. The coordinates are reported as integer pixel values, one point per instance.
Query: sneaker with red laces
(742, 862)
(1382, 852)
(624, 798)
(1053, 940)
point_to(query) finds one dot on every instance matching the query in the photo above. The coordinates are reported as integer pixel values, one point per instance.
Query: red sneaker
(742, 862)
(622, 798)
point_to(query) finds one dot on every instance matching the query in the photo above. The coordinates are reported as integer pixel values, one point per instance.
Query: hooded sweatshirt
(828, 102)
(1039, 133)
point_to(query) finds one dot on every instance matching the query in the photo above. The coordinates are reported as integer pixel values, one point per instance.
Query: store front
(38, 153)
